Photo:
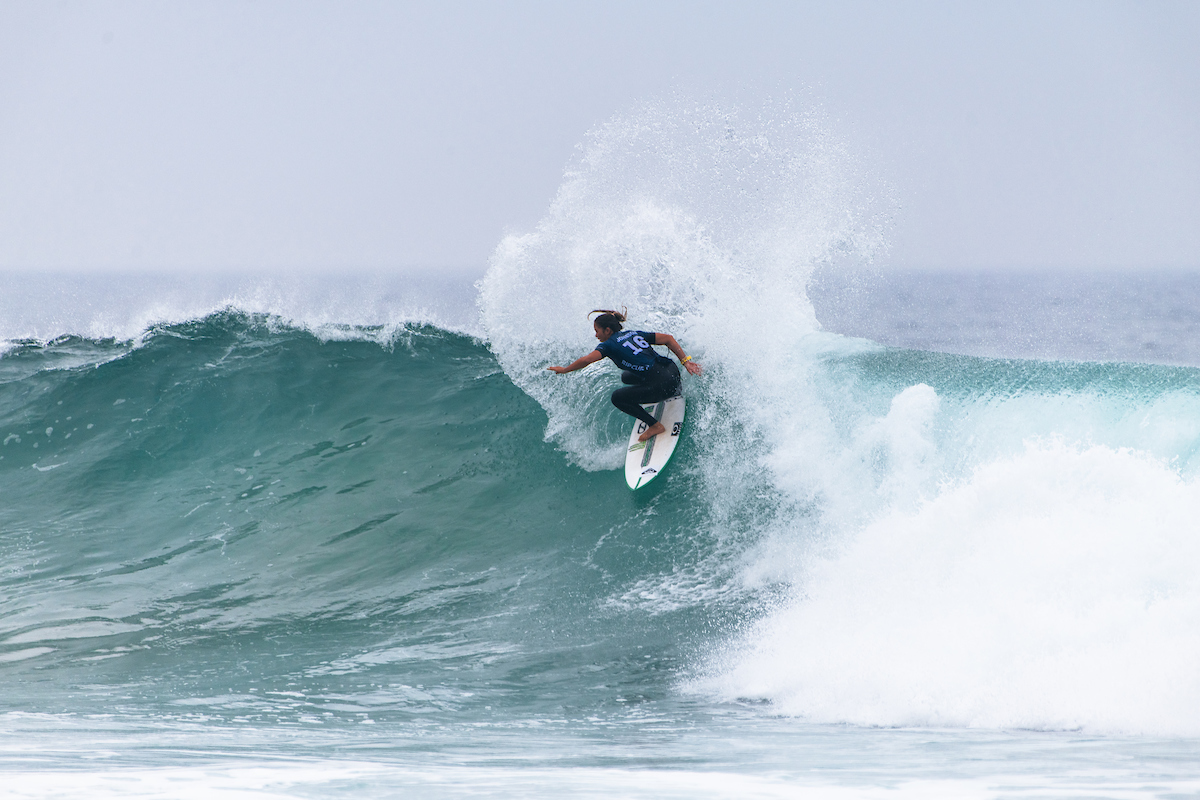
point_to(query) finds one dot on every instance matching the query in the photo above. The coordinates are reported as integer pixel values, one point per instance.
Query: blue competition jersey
(630, 350)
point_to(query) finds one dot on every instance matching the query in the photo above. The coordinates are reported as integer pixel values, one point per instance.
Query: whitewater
(318, 536)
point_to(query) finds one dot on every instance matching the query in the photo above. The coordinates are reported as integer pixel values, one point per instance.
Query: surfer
(648, 377)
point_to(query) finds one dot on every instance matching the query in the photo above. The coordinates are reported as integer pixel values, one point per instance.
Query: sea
(928, 533)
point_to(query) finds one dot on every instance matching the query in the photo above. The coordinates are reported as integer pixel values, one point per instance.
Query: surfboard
(645, 461)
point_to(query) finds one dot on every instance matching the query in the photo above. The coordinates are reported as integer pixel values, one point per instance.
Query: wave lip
(40, 308)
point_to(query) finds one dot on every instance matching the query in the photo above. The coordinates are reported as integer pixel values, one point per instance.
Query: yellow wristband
(686, 359)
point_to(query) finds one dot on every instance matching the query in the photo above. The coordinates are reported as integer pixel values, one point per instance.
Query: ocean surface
(927, 534)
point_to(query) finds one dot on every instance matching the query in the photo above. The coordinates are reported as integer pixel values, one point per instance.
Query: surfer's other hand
(557, 370)
(691, 366)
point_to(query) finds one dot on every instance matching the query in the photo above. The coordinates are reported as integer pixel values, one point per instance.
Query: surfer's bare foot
(652, 432)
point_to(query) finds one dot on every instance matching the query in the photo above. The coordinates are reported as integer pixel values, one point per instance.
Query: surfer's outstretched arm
(579, 363)
(668, 341)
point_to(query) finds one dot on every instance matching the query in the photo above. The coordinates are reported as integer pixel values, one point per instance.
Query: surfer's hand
(579, 363)
(693, 368)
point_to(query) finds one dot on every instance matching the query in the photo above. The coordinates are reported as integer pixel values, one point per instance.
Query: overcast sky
(401, 136)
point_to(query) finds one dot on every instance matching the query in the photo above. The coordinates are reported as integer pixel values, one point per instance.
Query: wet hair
(608, 319)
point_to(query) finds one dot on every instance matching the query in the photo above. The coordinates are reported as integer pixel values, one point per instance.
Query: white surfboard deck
(645, 460)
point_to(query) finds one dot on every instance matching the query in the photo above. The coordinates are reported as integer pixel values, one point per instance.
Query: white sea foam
(276, 779)
(707, 224)
(1054, 589)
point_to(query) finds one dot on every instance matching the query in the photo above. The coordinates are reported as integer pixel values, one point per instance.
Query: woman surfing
(648, 377)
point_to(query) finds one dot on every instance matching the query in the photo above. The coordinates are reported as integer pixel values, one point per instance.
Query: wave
(1008, 544)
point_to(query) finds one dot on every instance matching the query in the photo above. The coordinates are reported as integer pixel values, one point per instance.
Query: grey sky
(332, 136)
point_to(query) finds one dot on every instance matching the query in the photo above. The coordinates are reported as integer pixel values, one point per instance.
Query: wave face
(236, 516)
(246, 516)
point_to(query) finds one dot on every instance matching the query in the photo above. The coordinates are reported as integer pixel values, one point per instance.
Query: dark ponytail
(608, 319)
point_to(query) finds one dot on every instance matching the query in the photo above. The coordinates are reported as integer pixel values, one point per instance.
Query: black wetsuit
(648, 376)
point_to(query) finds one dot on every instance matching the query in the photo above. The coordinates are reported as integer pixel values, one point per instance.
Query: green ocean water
(355, 559)
(236, 511)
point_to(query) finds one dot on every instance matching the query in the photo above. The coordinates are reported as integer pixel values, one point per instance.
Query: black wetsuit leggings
(659, 383)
